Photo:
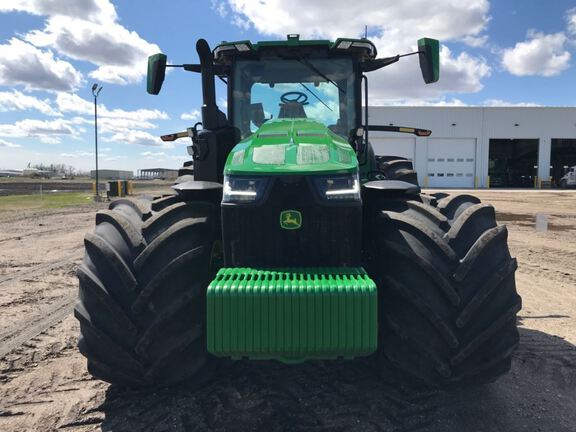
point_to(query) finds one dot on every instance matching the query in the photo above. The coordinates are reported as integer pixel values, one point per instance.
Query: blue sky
(52, 51)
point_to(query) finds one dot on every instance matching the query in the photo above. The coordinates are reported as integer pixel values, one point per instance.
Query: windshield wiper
(309, 65)
(317, 97)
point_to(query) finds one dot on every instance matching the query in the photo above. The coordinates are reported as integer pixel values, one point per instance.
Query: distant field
(44, 201)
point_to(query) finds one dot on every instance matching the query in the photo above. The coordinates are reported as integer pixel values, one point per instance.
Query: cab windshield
(318, 89)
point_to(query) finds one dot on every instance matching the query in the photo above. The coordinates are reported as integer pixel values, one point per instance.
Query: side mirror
(156, 73)
(429, 54)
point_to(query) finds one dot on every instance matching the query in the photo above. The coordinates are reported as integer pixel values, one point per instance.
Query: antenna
(365, 32)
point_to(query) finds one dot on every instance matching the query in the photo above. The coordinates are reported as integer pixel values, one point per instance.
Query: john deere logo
(290, 219)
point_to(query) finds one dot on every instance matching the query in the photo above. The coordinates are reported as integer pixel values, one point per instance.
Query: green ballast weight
(292, 314)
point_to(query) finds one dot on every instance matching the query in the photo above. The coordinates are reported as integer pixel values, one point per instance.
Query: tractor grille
(330, 235)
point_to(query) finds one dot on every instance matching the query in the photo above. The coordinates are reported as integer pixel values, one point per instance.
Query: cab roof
(293, 46)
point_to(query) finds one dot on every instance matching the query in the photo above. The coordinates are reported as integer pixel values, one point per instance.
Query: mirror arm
(412, 53)
(376, 64)
(218, 69)
(400, 129)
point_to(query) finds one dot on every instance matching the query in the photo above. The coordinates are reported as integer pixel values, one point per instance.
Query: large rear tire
(142, 291)
(397, 168)
(447, 291)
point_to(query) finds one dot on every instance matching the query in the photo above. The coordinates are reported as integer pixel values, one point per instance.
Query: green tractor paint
(292, 146)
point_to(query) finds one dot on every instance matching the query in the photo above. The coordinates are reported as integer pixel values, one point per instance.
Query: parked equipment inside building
(569, 179)
(293, 241)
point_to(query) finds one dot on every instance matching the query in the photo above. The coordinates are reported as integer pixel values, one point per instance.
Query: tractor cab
(295, 79)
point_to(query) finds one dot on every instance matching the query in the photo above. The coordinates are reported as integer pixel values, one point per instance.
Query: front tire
(142, 291)
(447, 291)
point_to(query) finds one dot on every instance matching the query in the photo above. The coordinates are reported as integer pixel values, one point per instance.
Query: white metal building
(481, 146)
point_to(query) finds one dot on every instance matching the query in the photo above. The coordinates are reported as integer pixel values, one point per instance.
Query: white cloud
(95, 10)
(542, 54)
(138, 137)
(475, 41)
(69, 102)
(503, 103)
(139, 114)
(119, 53)
(86, 154)
(72, 103)
(38, 128)
(192, 115)
(440, 102)
(88, 30)
(241, 22)
(153, 155)
(222, 103)
(219, 7)
(23, 64)
(458, 74)
(179, 158)
(17, 101)
(7, 144)
(110, 121)
(318, 111)
(114, 158)
(114, 125)
(571, 19)
(406, 20)
(17, 158)
(398, 25)
(47, 139)
(77, 155)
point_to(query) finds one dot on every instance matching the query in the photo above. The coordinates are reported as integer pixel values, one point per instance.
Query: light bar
(348, 44)
(339, 187)
(242, 47)
(243, 189)
(352, 191)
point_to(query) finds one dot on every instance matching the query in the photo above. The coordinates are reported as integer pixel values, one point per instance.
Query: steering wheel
(295, 96)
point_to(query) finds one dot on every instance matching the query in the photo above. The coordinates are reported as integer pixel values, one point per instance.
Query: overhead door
(403, 147)
(451, 162)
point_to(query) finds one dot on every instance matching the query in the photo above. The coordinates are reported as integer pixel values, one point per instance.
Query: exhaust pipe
(212, 118)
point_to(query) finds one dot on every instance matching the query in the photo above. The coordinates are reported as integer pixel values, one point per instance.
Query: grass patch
(46, 201)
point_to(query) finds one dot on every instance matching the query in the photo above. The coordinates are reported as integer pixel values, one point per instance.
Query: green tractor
(292, 240)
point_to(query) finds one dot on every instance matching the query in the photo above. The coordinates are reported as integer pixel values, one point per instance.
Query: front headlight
(243, 189)
(339, 188)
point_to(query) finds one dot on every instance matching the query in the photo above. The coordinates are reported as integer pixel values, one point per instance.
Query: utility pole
(96, 91)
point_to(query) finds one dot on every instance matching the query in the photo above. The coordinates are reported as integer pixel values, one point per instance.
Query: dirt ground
(44, 385)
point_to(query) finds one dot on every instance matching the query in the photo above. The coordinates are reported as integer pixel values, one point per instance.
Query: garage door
(403, 147)
(451, 162)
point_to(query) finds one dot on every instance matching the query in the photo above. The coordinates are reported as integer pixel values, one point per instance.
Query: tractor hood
(292, 146)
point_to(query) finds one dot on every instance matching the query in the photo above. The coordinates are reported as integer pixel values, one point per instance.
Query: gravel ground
(44, 385)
